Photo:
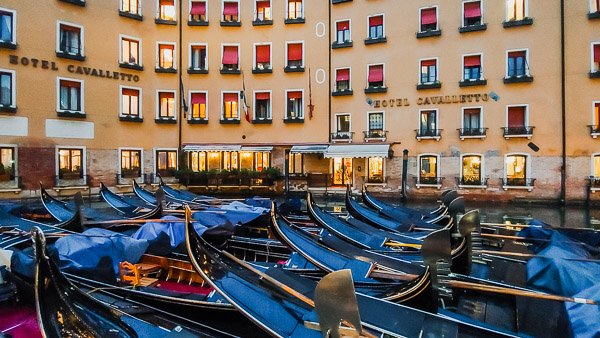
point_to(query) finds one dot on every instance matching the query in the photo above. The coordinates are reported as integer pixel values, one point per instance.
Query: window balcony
(165, 120)
(375, 180)
(334, 2)
(375, 89)
(472, 183)
(232, 23)
(289, 21)
(524, 131)
(430, 33)
(262, 120)
(293, 120)
(594, 15)
(342, 136)
(472, 83)
(518, 183)
(7, 108)
(259, 22)
(472, 28)
(165, 70)
(294, 69)
(192, 70)
(428, 134)
(131, 118)
(375, 40)
(595, 74)
(464, 133)
(429, 85)
(429, 182)
(518, 23)
(192, 120)
(78, 55)
(230, 71)
(130, 15)
(167, 22)
(71, 114)
(129, 65)
(225, 120)
(342, 44)
(594, 131)
(342, 92)
(197, 22)
(375, 135)
(594, 183)
(8, 45)
(518, 79)
(75, 2)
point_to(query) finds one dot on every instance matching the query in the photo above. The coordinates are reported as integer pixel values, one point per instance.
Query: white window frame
(138, 40)
(367, 139)
(254, 54)
(349, 28)
(223, 45)
(437, 173)
(437, 17)
(139, 7)
(462, 122)
(81, 36)
(190, 48)
(81, 94)
(14, 24)
(368, 27)
(141, 150)
(256, 10)
(349, 127)
(287, 116)
(287, 10)
(526, 9)
(205, 10)
(156, 150)
(157, 107)
(481, 172)
(349, 77)
(287, 43)
(526, 50)
(13, 86)
(222, 104)
(15, 165)
(158, 10)
(239, 14)
(139, 89)
(463, 11)
(437, 69)
(592, 63)
(481, 77)
(594, 103)
(174, 44)
(270, 118)
(526, 120)
(190, 92)
(83, 160)
(437, 124)
(527, 171)
(369, 65)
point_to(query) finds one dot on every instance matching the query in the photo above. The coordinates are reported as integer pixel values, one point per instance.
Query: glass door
(342, 171)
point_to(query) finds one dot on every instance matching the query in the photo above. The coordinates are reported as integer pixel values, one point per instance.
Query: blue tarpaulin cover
(585, 318)
(175, 230)
(236, 213)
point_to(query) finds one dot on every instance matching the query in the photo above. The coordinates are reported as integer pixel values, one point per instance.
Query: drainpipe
(563, 168)
(329, 71)
(182, 163)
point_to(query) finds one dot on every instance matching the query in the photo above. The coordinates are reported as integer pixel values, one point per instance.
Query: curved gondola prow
(47, 199)
(469, 224)
(109, 197)
(436, 248)
(456, 207)
(142, 194)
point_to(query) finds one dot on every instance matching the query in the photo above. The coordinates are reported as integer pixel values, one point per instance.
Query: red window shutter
(341, 26)
(517, 54)
(597, 53)
(166, 95)
(198, 98)
(263, 53)
(294, 95)
(171, 47)
(230, 55)
(263, 96)
(68, 83)
(131, 92)
(472, 9)
(375, 21)
(428, 16)
(69, 28)
(198, 8)
(516, 116)
(262, 4)
(166, 3)
(472, 111)
(375, 73)
(230, 97)
(473, 60)
(230, 8)
(343, 75)
(426, 63)
(295, 51)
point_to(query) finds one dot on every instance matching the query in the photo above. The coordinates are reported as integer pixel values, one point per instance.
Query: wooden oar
(138, 221)
(408, 245)
(510, 225)
(519, 238)
(516, 292)
(183, 211)
(524, 255)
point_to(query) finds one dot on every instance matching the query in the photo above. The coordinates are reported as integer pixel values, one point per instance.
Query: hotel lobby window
(516, 10)
(428, 170)
(70, 164)
(295, 9)
(198, 106)
(375, 170)
(197, 160)
(472, 13)
(130, 52)
(7, 29)
(375, 77)
(70, 42)
(295, 60)
(342, 32)
(428, 71)
(295, 107)
(262, 160)
(166, 162)
(130, 102)
(198, 11)
(230, 11)
(70, 96)
(7, 87)
(296, 165)
(595, 70)
(166, 106)
(516, 170)
(131, 163)
(342, 171)
(262, 11)
(262, 106)
(7, 160)
(166, 10)
(230, 160)
(471, 170)
(214, 160)
(198, 60)
(230, 106)
(429, 21)
(376, 27)
(166, 56)
(263, 57)
(230, 58)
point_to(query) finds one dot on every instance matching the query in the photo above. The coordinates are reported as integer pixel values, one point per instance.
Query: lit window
(375, 77)
(166, 10)
(263, 57)
(230, 106)
(7, 26)
(376, 27)
(294, 55)
(263, 10)
(375, 125)
(130, 99)
(262, 160)
(342, 127)
(516, 170)
(166, 56)
(130, 163)
(246, 160)
(130, 49)
(472, 13)
(198, 11)
(295, 108)
(262, 106)
(517, 64)
(516, 10)
(596, 57)
(7, 88)
(197, 160)
(166, 162)
(214, 160)
(70, 96)
(8, 165)
(166, 105)
(428, 123)
(428, 169)
(70, 164)
(471, 170)
(230, 11)
(295, 10)
(342, 171)
(343, 31)
(70, 40)
(230, 160)
(230, 58)
(198, 60)
(375, 170)
(198, 106)
(596, 164)
(472, 68)
(428, 19)
(130, 6)
(342, 79)
(429, 71)
(597, 117)
(295, 164)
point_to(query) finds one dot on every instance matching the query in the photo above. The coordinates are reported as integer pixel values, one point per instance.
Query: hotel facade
(498, 99)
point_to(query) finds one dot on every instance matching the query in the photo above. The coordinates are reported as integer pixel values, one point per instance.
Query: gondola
(63, 310)
(280, 302)
(184, 196)
(120, 203)
(150, 197)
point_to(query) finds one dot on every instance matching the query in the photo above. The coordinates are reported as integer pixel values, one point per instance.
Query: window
(342, 171)
(516, 170)
(262, 105)
(295, 107)
(214, 160)
(472, 125)
(197, 160)
(130, 102)
(471, 170)
(166, 105)
(131, 6)
(596, 166)
(375, 77)
(595, 57)
(7, 27)
(263, 11)
(429, 20)
(198, 57)
(472, 13)
(596, 125)
(595, 6)
(130, 51)
(516, 10)
(70, 40)
(230, 11)
(296, 165)
(295, 10)
(230, 58)
(375, 165)
(166, 10)
(517, 64)
(428, 170)
(376, 27)
(70, 164)
(472, 68)
(429, 71)
(262, 56)
(375, 125)
(295, 53)
(166, 55)
(198, 106)
(166, 162)
(517, 117)
(262, 160)
(428, 123)
(230, 106)
(8, 163)
(131, 163)
(198, 11)
(342, 127)
(230, 160)
(7, 88)
(70, 97)
(342, 79)
(342, 31)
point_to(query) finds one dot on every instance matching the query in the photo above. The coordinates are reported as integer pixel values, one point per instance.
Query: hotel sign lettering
(427, 100)
(45, 64)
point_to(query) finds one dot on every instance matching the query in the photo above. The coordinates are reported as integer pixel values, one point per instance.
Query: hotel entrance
(342, 171)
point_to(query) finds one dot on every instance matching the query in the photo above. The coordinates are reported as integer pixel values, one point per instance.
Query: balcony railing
(71, 179)
(429, 181)
(375, 135)
(472, 133)
(526, 183)
(594, 130)
(524, 131)
(434, 134)
(472, 182)
(374, 179)
(594, 183)
(9, 182)
(342, 136)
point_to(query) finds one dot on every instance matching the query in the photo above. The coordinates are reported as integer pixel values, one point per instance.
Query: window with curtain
(262, 160)
(375, 170)
(294, 55)
(130, 6)
(343, 124)
(295, 108)
(472, 13)
(198, 106)
(70, 161)
(131, 163)
(230, 106)
(6, 89)
(515, 9)
(428, 123)
(516, 170)
(198, 11)
(596, 170)
(130, 99)
(198, 57)
(6, 27)
(197, 160)
(471, 170)
(471, 120)
(70, 95)
(166, 162)
(166, 56)
(472, 67)
(70, 40)
(517, 64)
(428, 71)
(342, 79)
(262, 108)
(263, 57)
(230, 58)
(376, 27)
(428, 19)
(263, 11)
(166, 10)
(230, 11)
(597, 116)
(130, 51)
(595, 6)
(596, 57)
(375, 77)
(7, 159)
(428, 167)
(343, 31)
(166, 105)
(375, 124)
(296, 165)
(295, 10)
(214, 160)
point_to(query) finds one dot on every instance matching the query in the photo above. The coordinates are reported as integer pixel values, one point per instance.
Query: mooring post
(404, 173)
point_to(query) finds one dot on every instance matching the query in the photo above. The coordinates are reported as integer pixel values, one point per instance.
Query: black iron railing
(429, 180)
(518, 182)
(518, 131)
(422, 133)
(375, 134)
(342, 136)
(472, 131)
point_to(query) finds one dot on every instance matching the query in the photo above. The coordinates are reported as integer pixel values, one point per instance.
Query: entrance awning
(257, 149)
(314, 149)
(234, 147)
(358, 150)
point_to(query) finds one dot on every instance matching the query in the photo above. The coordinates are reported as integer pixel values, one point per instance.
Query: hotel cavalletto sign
(429, 100)
(75, 69)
